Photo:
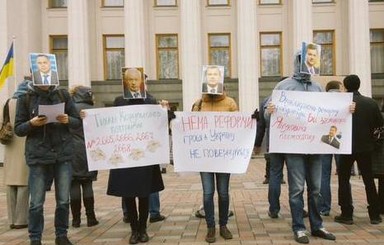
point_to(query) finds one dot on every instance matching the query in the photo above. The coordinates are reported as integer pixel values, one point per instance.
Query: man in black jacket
(365, 119)
(48, 149)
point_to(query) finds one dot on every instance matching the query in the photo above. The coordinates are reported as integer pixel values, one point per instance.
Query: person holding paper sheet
(212, 102)
(303, 168)
(48, 147)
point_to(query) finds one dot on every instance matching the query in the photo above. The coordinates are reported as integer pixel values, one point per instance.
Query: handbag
(6, 131)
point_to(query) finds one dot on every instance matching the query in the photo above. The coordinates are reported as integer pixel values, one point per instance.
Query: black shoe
(199, 214)
(282, 181)
(225, 233)
(144, 236)
(211, 235)
(135, 237)
(323, 233)
(163, 170)
(376, 220)
(305, 214)
(230, 213)
(62, 240)
(324, 213)
(156, 218)
(125, 219)
(344, 220)
(266, 181)
(301, 237)
(35, 242)
(273, 215)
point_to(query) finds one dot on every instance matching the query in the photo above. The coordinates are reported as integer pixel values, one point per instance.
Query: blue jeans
(222, 185)
(304, 168)
(154, 204)
(38, 176)
(325, 198)
(275, 176)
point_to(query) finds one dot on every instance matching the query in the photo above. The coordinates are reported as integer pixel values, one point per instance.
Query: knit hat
(352, 83)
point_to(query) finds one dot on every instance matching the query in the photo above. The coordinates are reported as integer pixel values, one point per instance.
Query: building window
(218, 2)
(327, 59)
(167, 56)
(270, 54)
(269, 2)
(323, 1)
(371, 1)
(113, 3)
(113, 56)
(57, 3)
(220, 51)
(377, 50)
(165, 3)
(59, 47)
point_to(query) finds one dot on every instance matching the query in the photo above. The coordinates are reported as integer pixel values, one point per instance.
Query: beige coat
(15, 169)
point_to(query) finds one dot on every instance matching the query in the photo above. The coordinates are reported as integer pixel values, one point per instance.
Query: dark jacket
(52, 142)
(365, 119)
(136, 181)
(83, 99)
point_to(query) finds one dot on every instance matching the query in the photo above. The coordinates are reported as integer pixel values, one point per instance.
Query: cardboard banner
(126, 136)
(311, 123)
(212, 141)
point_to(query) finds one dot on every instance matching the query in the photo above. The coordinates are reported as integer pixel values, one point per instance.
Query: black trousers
(137, 217)
(364, 162)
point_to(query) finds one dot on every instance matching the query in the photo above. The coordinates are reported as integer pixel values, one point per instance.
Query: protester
(303, 168)
(82, 179)
(16, 171)
(48, 146)
(211, 102)
(366, 118)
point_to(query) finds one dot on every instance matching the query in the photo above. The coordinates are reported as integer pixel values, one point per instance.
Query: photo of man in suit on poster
(332, 138)
(213, 79)
(44, 69)
(310, 58)
(133, 83)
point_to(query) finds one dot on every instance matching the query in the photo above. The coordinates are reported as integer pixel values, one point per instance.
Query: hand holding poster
(212, 141)
(311, 123)
(126, 136)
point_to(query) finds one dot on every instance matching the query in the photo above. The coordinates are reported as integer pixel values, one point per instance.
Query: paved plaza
(183, 195)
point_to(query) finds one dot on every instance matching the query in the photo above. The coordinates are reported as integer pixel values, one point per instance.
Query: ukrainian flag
(7, 69)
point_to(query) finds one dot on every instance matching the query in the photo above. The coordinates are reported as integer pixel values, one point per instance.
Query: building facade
(172, 39)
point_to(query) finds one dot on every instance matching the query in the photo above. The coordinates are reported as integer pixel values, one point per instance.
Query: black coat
(83, 100)
(137, 181)
(365, 119)
(378, 158)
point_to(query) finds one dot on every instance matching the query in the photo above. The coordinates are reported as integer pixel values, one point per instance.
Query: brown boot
(90, 211)
(211, 235)
(76, 212)
(225, 233)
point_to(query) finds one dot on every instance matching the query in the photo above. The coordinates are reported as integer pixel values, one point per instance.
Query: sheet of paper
(51, 111)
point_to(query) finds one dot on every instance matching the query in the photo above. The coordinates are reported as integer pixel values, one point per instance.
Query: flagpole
(14, 65)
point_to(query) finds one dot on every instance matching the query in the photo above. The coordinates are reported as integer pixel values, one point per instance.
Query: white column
(359, 44)
(191, 51)
(301, 19)
(78, 43)
(3, 54)
(248, 54)
(134, 33)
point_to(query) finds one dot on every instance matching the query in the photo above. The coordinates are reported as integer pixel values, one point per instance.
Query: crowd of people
(57, 151)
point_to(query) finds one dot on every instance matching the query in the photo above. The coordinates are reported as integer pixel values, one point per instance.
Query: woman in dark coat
(139, 182)
(82, 178)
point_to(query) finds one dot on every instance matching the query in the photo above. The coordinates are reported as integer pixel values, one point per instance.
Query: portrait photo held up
(133, 83)
(310, 63)
(212, 79)
(44, 69)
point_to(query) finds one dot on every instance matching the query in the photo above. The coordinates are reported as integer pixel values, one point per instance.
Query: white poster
(212, 141)
(311, 123)
(126, 136)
